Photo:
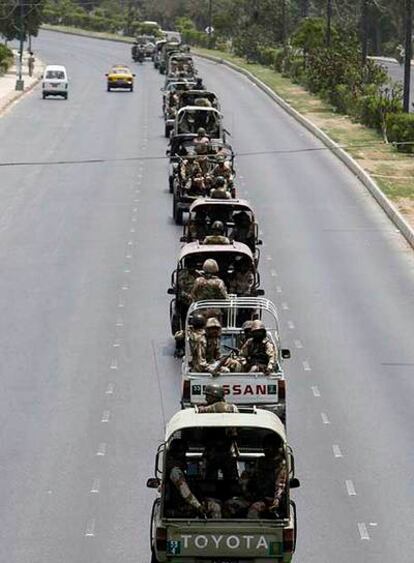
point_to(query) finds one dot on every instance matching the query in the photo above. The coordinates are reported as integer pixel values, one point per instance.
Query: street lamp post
(408, 52)
(210, 24)
(20, 81)
(364, 30)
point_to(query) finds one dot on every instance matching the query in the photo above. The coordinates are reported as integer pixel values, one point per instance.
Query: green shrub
(400, 129)
(266, 55)
(6, 58)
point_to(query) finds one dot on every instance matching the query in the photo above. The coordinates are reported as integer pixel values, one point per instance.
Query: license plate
(54, 85)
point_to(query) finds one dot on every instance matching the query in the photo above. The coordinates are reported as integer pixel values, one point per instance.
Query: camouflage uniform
(220, 193)
(268, 483)
(216, 239)
(242, 283)
(245, 234)
(198, 345)
(223, 169)
(185, 282)
(211, 287)
(219, 407)
(192, 505)
(259, 355)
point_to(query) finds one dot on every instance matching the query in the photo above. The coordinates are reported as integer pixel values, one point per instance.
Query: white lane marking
(127, 271)
(101, 449)
(96, 485)
(130, 243)
(315, 391)
(136, 200)
(337, 451)
(134, 219)
(110, 389)
(119, 322)
(132, 230)
(325, 418)
(90, 528)
(106, 415)
(350, 489)
(363, 532)
(306, 366)
(291, 325)
(273, 273)
(279, 289)
(116, 344)
(125, 288)
(135, 209)
(373, 524)
(128, 255)
(139, 175)
(114, 364)
(268, 257)
(260, 232)
(137, 191)
(298, 344)
(285, 306)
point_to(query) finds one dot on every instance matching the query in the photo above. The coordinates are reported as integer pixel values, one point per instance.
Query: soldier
(180, 491)
(199, 84)
(208, 285)
(220, 450)
(196, 338)
(246, 327)
(223, 168)
(201, 150)
(196, 185)
(242, 283)
(189, 168)
(259, 352)
(217, 236)
(219, 191)
(201, 137)
(197, 229)
(216, 403)
(186, 278)
(243, 230)
(268, 481)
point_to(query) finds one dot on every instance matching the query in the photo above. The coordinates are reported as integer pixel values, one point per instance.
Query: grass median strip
(393, 171)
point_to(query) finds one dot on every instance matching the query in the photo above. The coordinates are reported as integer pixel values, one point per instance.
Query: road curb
(406, 230)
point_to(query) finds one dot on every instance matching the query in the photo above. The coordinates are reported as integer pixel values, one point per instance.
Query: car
(183, 536)
(55, 82)
(120, 76)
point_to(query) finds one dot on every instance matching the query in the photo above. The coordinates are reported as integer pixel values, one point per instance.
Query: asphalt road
(88, 378)
(396, 73)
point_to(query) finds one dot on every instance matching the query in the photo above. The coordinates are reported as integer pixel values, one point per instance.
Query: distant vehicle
(55, 81)
(174, 36)
(121, 77)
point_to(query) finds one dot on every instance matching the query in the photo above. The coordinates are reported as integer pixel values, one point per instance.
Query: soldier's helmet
(220, 182)
(220, 159)
(258, 328)
(214, 391)
(212, 322)
(210, 266)
(241, 218)
(197, 321)
(247, 326)
(201, 132)
(217, 227)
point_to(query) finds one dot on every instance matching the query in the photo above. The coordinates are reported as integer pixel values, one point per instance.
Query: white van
(55, 81)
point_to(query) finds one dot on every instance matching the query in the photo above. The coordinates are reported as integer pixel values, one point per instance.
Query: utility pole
(328, 22)
(210, 24)
(284, 27)
(408, 52)
(364, 30)
(304, 12)
(20, 81)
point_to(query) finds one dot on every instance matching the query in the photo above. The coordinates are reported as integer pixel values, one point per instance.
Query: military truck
(178, 537)
(264, 390)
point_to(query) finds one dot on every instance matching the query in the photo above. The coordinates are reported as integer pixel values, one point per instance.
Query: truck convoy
(224, 472)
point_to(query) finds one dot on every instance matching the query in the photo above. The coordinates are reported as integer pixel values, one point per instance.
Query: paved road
(396, 72)
(88, 377)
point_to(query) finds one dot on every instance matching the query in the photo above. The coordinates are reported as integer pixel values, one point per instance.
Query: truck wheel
(108, 88)
(171, 184)
(174, 209)
(44, 95)
(154, 557)
(179, 216)
(167, 131)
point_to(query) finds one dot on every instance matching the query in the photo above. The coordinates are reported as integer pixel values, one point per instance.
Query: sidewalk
(8, 93)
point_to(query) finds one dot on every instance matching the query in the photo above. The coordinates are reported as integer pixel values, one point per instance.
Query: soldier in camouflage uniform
(219, 190)
(180, 491)
(223, 168)
(209, 286)
(268, 481)
(217, 236)
(259, 352)
(243, 230)
(242, 283)
(197, 342)
(220, 451)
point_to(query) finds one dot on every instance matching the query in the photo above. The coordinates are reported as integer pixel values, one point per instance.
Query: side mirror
(259, 292)
(294, 483)
(133, 74)
(171, 291)
(286, 355)
(154, 482)
(259, 242)
(106, 74)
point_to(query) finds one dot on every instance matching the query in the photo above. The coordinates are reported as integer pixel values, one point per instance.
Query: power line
(162, 157)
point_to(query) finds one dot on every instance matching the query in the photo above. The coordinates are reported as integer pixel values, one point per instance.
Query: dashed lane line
(106, 415)
(96, 485)
(315, 391)
(363, 531)
(337, 451)
(90, 528)
(325, 418)
(306, 366)
(101, 449)
(350, 488)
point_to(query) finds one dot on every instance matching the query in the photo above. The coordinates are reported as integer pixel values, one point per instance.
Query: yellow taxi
(120, 76)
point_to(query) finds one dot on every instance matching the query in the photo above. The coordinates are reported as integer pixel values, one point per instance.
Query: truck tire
(167, 131)
(174, 209)
(179, 216)
(171, 184)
